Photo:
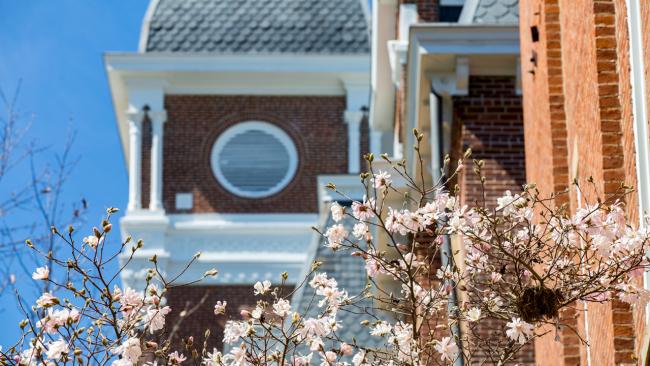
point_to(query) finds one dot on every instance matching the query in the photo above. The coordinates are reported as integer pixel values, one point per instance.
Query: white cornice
(200, 62)
(229, 74)
(442, 42)
(244, 247)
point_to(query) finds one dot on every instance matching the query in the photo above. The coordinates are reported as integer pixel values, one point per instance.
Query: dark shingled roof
(350, 273)
(497, 12)
(259, 26)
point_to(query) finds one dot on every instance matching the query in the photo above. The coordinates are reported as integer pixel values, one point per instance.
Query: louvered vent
(254, 159)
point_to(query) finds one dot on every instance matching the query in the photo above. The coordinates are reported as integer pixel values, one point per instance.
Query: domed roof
(257, 26)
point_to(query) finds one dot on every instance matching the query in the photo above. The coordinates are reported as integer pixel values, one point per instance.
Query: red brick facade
(238, 297)
(195, 121)
(489, 120)
(578, 123)
(428, 10)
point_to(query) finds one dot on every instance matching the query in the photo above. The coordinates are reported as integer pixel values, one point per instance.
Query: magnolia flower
(381, 180)
(381, 329)
(474, 314)
(328, 357)
(91, 240)
(496, 277)
(302, 360)
(282, 307)
(56, 349)
(130, 300)
(358, 359)
(234, 330)
(46, 300)
(335, 236)
(257, 313)
(363, 211)
(237, 355)
(447, 348)
(130, 350)
(220, 307)
(346, 349)
(155, 318)
(58, 318)
(361, 231)
(519, 330)
(125, 362)
(213, 359)
(262, 288)
(372, 267)
(337, 211)
(312, 327)
(176, 359)
(42, 273)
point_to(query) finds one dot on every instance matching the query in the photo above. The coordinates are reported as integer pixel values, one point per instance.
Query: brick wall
(195, 121)
(239, 297)
(490, 121)
(592, 39)
(428, 10)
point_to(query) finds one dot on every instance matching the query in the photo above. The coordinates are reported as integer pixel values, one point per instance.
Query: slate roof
(350, 274)
(496, 12)
(258, 26)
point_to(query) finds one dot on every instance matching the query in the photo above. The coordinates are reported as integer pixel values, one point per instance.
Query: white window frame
(268, 128)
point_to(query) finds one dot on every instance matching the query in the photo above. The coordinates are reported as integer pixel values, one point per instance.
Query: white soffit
(229, 74)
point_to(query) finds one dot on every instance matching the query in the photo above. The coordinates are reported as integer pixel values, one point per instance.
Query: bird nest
(539, 302)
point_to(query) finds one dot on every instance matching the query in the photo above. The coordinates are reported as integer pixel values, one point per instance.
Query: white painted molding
(202, 62)
(641, 134)
(244, 248)
(444, 43)
(467, 14)
(348, 184)
(408, 15)
(353, 120)
(144, 78)
(382, 99)
(158, 119)
(397, 58)
(134, 118)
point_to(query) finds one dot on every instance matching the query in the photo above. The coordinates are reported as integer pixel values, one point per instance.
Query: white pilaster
(158, 119)
(353, 120)
(135, 163)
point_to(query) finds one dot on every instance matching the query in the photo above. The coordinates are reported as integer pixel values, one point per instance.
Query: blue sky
(55, 48)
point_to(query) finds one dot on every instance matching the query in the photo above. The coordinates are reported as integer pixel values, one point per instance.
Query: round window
(254, 159)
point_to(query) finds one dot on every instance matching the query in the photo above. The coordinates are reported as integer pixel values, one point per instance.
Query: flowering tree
(518, 262)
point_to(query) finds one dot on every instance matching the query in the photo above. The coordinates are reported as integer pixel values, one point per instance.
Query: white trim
(268, 128)
(397, 59)
(134, 159)
(348, 184)
(244, 247)
(452, 2)
(158, 74)
(158, 119)
(467, 14)
(146, 23)
(449, 41)
(199, 62)
(640, 125)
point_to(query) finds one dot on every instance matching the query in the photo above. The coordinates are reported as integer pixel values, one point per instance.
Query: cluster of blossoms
(436, 268)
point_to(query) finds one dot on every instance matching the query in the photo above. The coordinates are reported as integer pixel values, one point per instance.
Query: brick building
(231, 116)
(451, 69)
(234, 116)
(585, 81)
